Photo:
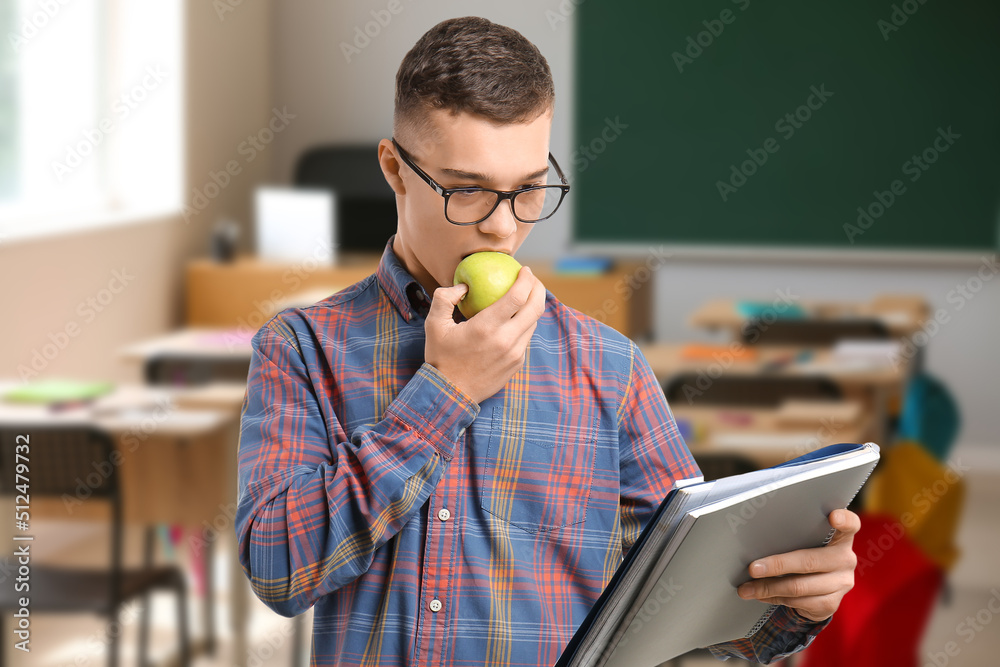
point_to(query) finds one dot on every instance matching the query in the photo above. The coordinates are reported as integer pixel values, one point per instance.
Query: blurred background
(792, 208)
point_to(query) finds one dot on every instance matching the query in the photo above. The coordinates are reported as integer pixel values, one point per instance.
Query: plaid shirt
(427, 529)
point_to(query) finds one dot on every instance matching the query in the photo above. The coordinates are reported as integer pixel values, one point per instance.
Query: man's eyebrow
(477, 176)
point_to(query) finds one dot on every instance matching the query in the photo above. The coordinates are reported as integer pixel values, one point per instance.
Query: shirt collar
(403, 290)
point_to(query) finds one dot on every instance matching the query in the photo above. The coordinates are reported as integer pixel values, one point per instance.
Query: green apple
(489, 275)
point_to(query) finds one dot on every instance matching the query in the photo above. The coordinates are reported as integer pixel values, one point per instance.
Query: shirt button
(444, 514)
(435, 605)
(461, 432)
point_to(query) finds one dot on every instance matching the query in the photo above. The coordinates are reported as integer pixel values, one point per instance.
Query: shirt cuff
(788, 619)
(435, 408)
(785, 632)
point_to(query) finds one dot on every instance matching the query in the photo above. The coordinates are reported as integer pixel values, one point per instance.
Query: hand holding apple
(481, 354)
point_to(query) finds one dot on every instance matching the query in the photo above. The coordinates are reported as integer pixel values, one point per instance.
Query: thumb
(444, 300)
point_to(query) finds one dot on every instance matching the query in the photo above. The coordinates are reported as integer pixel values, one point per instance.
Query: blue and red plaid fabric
(427, 529)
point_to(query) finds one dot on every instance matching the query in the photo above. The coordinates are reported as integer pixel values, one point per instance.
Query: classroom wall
(345, 101)
(46, 283)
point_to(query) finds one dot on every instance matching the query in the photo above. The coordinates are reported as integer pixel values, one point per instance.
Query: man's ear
(390, 164)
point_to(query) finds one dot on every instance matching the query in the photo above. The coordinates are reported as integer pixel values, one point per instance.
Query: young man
(458, 492)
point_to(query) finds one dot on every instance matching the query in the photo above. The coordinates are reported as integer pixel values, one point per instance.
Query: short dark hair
(471, 64)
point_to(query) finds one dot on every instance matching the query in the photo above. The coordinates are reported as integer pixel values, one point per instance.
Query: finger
(846, 523)
(528, 315)
(805, 561)
(797, 586)
(444, 300)
(533, 308)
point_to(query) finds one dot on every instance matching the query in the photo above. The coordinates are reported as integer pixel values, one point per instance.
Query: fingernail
(745, 591)
(758, 569)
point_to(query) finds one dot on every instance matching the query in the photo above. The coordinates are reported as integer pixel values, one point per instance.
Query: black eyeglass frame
(501, 194)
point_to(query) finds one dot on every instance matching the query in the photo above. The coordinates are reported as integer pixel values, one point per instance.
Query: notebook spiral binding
(833, 531)
(770, 610)
(761, 621)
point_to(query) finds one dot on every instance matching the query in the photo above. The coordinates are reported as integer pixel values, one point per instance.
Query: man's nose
(501, 222)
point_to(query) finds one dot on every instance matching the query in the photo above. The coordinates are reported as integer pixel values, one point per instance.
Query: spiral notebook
(676, 588)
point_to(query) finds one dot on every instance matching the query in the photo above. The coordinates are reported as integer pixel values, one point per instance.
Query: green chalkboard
(745, 122)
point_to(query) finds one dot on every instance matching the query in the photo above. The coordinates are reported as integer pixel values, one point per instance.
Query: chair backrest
(72, 462)
(911, 484)
(187, 371)
(365, 204)
(812, 331)
(929, 416)
(767, 391)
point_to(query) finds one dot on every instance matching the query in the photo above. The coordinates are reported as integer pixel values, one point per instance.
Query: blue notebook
(675, 590)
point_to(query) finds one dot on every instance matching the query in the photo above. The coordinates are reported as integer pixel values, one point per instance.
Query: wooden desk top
(176, 448)
(171, 412)
(669, 359)
(902, 314)
(774, 435)
(195, 341)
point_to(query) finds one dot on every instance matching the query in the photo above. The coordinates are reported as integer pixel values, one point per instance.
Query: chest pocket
(539, 469)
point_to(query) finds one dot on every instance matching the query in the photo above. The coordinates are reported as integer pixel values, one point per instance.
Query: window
(90, 112)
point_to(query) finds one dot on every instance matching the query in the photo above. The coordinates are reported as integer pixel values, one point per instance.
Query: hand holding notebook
(676, 590)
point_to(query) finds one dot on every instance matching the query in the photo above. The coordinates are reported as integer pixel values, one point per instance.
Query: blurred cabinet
(245, 293)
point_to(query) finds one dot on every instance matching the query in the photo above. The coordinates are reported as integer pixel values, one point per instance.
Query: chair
(811, 332)
(748, 390)
(366, 205)
(929, 415)
(881, 620)
(58, 458)
(927, 497)
(181, 370)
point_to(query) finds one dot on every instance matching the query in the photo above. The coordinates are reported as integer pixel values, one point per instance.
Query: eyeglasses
(470, 206)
